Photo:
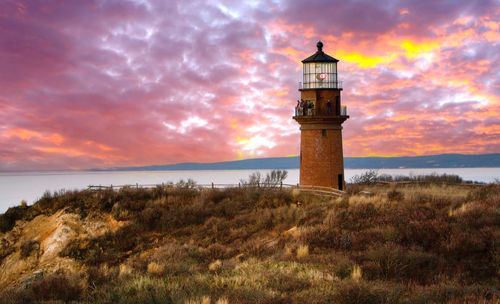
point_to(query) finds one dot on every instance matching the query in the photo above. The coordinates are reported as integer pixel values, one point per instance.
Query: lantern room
(320, 71)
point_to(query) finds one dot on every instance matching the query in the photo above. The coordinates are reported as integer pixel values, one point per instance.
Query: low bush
(326, 238)
(287, 282)
(395, 196)
(489, 193)
(342, 266)
(9, 218)
(393, 262)
(56, 287)
(29, 247)
(354, 292)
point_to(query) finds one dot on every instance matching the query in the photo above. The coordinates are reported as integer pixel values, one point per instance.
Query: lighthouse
(320, 114)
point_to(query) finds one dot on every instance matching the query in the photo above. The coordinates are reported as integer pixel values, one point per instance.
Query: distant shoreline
(440, 161)
(404, 162)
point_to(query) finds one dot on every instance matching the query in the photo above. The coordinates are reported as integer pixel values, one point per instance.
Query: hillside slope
(377, 244)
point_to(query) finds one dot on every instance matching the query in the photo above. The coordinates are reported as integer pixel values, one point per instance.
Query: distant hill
(428, 161)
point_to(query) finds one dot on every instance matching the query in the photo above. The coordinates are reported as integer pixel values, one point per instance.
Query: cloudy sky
(97, 83)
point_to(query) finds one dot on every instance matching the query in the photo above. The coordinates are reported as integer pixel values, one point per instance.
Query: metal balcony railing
(314, 112)
(343, 111)
(321, 85)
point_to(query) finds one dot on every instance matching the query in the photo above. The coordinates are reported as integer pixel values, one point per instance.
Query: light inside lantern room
(320, 75)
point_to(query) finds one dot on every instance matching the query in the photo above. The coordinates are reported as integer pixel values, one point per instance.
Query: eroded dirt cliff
(31, 249)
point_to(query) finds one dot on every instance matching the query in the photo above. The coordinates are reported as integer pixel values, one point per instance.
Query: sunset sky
(86, 84)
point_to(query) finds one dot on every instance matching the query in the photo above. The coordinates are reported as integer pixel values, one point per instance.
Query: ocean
(30, 186)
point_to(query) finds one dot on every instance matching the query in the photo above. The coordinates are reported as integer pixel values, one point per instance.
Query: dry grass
(222, 301)
(125, 270)
(356, 273)
(215, 266)
(302, 251)
(155, 268)
(392, 244)
(202, 300)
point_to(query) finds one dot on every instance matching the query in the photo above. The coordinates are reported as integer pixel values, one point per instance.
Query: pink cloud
(124, 83)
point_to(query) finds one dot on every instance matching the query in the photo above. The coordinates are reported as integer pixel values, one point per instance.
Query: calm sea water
(30, 186)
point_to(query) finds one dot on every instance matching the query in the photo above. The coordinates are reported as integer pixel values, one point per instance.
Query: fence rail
(306, 188)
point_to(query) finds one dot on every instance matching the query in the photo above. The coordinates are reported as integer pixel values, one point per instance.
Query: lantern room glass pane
(320, 75)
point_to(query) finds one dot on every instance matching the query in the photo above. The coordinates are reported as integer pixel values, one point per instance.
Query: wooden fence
(319, 190)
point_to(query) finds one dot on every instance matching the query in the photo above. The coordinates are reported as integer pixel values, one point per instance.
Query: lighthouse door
(340, 182)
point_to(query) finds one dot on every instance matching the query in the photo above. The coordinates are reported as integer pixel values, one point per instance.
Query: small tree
(272, 179)
(189, 184)
(369, 177)
(253, 180)
(275, 178)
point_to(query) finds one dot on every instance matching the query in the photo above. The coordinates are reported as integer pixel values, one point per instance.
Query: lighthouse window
(323, 132)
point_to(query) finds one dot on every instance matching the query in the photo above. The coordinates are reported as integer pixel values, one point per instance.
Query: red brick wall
(321, 158)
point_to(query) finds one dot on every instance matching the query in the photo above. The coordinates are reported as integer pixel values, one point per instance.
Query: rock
(34, 277)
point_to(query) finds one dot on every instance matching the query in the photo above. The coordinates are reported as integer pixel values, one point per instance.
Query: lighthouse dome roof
(320, 56)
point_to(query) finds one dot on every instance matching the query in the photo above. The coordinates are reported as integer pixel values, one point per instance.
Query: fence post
(111, 186)
(258, 184)
(137, 185)
(239, 185)
(212, 185)
(281, 185)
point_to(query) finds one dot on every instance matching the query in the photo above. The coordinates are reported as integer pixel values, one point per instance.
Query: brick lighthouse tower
(320, 115)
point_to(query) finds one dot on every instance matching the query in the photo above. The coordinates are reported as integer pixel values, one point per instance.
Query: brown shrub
(353, 292)
(150, 217)
(340, 265)
(57, 287)
(98, 276)
(29, 247)
(353, 189)
(395, 195)
(9, 218)
(111, 248)
(321, 236)
(489, 193)
(287, 282)
(392, 262)
(357, 217)
(218, 251)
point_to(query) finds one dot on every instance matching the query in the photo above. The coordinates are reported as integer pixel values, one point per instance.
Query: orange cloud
(22, 133)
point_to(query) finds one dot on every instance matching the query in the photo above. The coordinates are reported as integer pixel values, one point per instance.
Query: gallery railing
(320, 85)
(313, 112)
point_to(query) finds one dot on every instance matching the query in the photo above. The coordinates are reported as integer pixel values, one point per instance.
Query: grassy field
(425, 243)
